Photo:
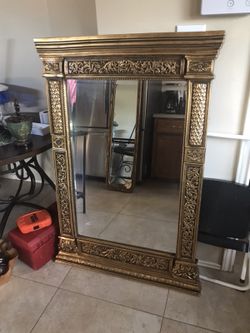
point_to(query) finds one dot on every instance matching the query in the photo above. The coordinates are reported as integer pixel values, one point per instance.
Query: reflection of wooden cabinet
(167, 148)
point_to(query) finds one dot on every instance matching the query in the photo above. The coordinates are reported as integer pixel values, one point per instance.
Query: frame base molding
(173, 272)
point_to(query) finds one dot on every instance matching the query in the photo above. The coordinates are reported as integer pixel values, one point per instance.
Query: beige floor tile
(109, 202)
(157, 186)
(171, 326)
(216, 308)
(52, 273)
(152, 207)
(149, 233)
(93, 223)
(137, 295)
(95, 186)
(21, 304)
(71, 312)
(209, 253)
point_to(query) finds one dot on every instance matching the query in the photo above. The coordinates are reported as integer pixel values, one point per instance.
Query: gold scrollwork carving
(196, 155)
(56, 107)
(67, 245)
(58, 142)
(198, 113)
(191, 196)
(63, 192)
(126, 66)
(200, 66)
(184, 271)
(51, 67)
(126, 256)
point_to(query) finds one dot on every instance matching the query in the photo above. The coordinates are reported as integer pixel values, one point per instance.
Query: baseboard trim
(209, 264)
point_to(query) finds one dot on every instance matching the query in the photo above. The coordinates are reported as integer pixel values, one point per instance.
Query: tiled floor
(60, 298)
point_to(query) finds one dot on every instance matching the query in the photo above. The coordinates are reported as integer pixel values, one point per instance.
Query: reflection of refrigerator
(95, 163)
(91, 116)
(92, 104)
(96, 147)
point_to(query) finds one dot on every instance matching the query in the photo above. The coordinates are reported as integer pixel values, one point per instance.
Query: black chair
(125, 149)
(225, 221)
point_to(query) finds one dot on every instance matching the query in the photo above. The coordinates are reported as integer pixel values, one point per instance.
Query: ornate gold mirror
(128, 118)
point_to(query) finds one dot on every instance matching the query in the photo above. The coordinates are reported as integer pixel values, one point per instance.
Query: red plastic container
(35, 248)
(34, 221)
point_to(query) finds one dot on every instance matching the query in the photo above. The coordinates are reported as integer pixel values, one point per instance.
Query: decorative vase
(20, 128)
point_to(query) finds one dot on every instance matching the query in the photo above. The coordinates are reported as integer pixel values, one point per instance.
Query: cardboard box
(40, 129)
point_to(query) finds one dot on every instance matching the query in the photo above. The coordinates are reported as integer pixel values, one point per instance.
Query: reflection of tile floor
(147, 217)
(59, 298)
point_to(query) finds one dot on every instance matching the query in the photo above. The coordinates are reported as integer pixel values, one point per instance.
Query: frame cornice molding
(186, 43)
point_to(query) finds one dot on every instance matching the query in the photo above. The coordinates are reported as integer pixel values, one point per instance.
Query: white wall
(20, 22)
(232, 82)
(72, 18)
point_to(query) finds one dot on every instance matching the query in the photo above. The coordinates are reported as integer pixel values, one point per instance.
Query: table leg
(42, 173)
(24, 171)
(9, 210)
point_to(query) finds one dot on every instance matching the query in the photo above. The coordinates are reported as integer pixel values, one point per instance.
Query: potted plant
(20, 126)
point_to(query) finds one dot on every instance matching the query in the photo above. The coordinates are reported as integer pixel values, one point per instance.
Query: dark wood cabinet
(167, 148)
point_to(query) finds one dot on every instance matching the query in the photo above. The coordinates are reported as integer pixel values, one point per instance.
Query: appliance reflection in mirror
(173, 95)
(88, 105)
(97, 63)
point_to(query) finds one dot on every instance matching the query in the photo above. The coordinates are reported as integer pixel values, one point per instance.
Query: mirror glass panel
(126, 144)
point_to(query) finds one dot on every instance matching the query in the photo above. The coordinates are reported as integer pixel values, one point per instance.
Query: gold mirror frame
(166, 56)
